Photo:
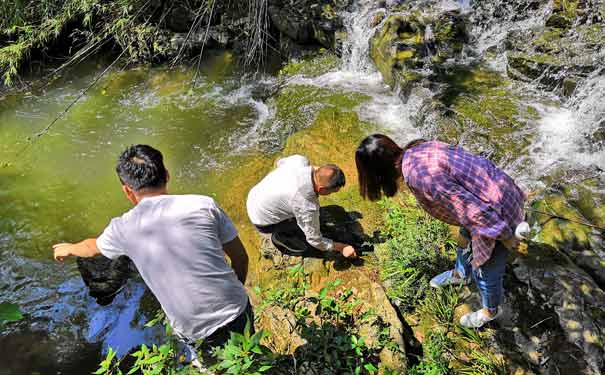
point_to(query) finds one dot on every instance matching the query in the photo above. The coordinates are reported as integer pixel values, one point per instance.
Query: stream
(63, 188)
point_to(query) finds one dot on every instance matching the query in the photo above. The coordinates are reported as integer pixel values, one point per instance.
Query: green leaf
(370, 367)
(264, 368)
(9, 312)
(323, 293)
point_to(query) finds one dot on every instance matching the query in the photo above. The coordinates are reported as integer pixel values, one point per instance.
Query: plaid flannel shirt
(466, 190)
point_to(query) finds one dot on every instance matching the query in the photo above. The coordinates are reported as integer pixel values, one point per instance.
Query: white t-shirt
(287, 192)
(176, 243)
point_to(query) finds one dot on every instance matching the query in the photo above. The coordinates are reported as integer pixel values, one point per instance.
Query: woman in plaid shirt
(460, 189)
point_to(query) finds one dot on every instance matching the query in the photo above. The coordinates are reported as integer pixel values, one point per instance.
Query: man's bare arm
(239, 258)
(85, 249)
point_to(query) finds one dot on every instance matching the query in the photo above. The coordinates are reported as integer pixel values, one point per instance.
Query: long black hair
(378, 160)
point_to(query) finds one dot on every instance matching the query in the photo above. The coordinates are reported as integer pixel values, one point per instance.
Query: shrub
(243, 354)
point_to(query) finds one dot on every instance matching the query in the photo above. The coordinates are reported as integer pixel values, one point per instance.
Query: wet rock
(306, 21)
(282, 325)
(581, 198)
(478, 110)
(180, 19)
(104, 277)
(561, 312)
(409, 43)
(555, 56)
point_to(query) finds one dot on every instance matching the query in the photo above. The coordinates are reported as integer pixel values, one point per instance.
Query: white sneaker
(448, 278)
(477, 319)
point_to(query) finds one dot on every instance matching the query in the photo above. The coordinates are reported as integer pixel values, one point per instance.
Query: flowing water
(63, 188)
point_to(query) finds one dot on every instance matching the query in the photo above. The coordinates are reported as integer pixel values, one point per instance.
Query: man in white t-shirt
(178, 244)
(286, 204)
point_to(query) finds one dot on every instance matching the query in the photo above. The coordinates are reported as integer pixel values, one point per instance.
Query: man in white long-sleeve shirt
(286, 203)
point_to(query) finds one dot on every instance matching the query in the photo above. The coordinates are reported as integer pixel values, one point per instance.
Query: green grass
(415, 251)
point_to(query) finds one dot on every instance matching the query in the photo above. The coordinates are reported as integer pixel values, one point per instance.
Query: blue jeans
(489, 277)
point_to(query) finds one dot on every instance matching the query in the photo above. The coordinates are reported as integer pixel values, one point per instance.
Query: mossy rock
(408, 42)
(480, 108)
(312, 66)
(583, 202)
(558, 57)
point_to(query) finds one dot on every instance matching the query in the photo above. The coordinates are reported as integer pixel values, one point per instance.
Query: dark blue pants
(489, 278)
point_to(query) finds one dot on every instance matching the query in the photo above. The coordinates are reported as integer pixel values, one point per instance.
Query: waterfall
(361, 24)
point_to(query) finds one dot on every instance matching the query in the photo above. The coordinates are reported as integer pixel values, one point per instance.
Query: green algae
(313, 66)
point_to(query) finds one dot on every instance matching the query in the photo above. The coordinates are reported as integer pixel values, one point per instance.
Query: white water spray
(567, 134)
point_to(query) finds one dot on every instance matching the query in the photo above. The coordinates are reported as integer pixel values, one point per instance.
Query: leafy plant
(437, 348)
(329, 321)
(9, 312)
(110, 365)
(243, 354)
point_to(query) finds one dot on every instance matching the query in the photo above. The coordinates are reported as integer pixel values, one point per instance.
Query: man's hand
(347, 251)
(61, 251)
(85, 249)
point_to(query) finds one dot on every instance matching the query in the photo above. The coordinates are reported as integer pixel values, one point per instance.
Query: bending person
(458, 188)
(178, 243)
(286, 204)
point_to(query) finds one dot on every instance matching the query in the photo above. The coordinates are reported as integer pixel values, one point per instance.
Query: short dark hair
(142, 167)
(378, 160)
(337, 177)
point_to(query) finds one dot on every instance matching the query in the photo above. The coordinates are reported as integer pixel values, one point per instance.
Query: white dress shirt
(287, 192)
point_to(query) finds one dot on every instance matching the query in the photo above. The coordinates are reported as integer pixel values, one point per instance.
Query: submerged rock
(104, 277)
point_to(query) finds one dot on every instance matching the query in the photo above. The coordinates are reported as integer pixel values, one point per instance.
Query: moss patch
(481, 102)
(313, 66)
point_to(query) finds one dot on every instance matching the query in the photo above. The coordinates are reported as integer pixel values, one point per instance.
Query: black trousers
(289, 239)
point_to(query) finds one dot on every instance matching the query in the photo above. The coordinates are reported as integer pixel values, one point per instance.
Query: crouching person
(178, 244)
(285, 204)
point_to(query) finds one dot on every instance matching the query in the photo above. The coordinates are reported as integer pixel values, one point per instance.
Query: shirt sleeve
(226, 229)
(109, 242)
(293, 161)
(307, 218)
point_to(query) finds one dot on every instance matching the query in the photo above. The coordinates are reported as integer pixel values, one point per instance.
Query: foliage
(329, 321)
(85, 26)
(9, 312)
(243, 354)
(414, 252)
(436, 356)
(440, 304)
(162, 359)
